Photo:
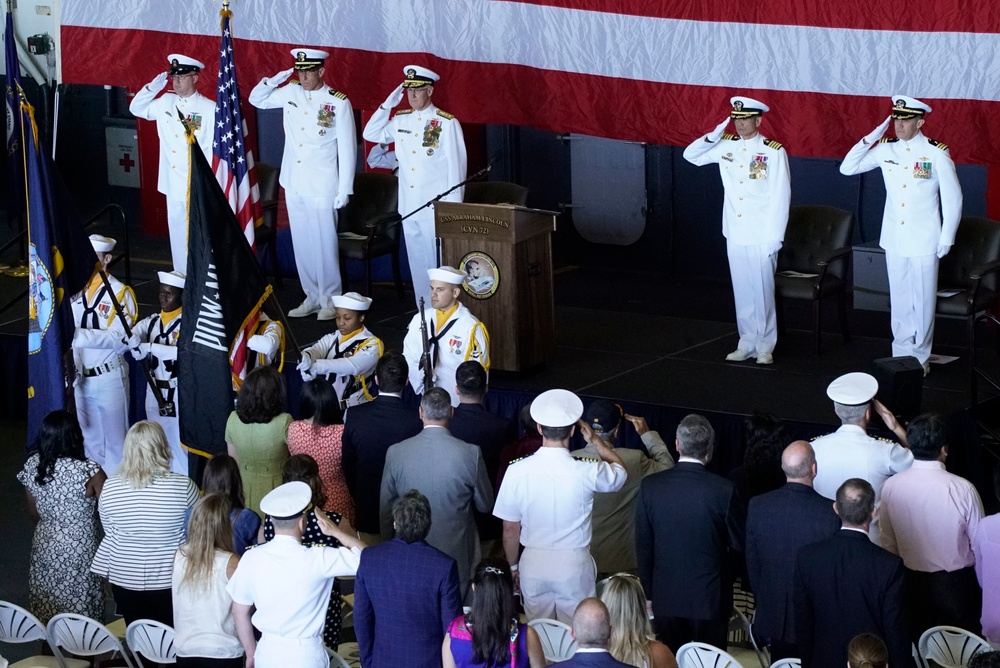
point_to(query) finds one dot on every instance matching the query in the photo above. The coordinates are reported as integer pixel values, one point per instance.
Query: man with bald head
(778, 524)
(592, 630)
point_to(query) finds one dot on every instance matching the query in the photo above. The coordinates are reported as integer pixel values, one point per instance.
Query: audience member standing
(203, 609)
(779, 523)
(256, 433)
(371, 429)
(526, 445)
(986, 545)
(683, 511)
(613, 517)
(450, 473)
(850, 452)
(592, 630)
(222, 476)
(545, 503)
(632, 638)
(289, 584)
(406, 593)
(846, 585)
(928, 518)
(318, 435)
(490, 634)
(142, 509)
(62, 488)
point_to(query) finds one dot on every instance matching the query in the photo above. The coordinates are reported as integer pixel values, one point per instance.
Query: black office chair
(369, 226)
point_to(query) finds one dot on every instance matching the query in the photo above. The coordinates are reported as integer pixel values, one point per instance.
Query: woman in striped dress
(142, 509)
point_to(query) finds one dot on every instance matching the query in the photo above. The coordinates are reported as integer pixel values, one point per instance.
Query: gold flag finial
(225, 12)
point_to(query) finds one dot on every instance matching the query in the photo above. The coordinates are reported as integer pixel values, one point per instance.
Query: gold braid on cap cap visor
(905, 113)
(745, 113)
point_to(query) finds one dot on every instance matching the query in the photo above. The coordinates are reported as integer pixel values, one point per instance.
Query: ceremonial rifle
(425, 356)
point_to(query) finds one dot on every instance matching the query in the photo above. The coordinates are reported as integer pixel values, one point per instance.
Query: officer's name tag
(921, 170)
(758, 167)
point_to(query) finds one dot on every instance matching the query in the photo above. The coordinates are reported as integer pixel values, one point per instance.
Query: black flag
(223, 291)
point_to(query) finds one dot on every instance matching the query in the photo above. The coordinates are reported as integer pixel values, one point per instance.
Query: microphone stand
(478, 175)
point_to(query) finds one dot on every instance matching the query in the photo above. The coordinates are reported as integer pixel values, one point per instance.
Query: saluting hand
(280, 78)
(638, 422)
(877, 133)
(159, 83)
(395, 97)
(716, 134)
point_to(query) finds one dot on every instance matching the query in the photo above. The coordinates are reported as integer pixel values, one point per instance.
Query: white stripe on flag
(938, 65)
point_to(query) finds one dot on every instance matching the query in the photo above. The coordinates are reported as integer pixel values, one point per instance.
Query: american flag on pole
(233, 166)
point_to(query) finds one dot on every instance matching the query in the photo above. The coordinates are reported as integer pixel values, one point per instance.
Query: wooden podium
(506, 253)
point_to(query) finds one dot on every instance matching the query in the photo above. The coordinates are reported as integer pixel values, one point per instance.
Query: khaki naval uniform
(162, 331)
(173, 179)
(850, 452)
(551, 494)
(923, 207)
(755, 212)
(290, 585)
(430, 148)
(317, 166)
(348, 363)
(455, 337)
(101, 385)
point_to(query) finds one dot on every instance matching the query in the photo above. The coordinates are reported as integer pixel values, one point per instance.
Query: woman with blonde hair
(867, 651)
(632, 639)
(142, 508)
(205, 629)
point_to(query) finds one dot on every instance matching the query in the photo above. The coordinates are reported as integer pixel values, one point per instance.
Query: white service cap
(308, 59)
(853, 389)
(556, 408)
(352, 301)
(418, 77)
(287, 501)
(174, 278)
(746, 107)
(446, 274)
(181, 64)
(904, 107)
(102, 244)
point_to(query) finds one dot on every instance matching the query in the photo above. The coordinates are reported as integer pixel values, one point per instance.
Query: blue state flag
(60, 263)
(15, 165)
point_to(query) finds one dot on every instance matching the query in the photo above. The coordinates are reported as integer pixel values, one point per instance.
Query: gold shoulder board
(445, 114)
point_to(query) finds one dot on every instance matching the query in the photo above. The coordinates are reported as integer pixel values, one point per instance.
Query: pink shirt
(928, 517)
(986, 544)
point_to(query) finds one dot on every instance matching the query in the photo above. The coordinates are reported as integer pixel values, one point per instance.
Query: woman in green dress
(255, 433)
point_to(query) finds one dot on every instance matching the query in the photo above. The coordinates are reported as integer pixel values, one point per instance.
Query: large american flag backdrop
(645, 70)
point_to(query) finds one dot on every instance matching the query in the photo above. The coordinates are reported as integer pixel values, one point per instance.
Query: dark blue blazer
(846, 585)
(687, 520)
(593, 660)
(779, 523)
(405, 595)
(369, 430)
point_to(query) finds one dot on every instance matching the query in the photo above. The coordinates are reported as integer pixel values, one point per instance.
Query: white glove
(773, 247)
(877, 133)
(716, 134)
(140, 352)
(305, 363)
(279, 78)
(395, 97)
(943, 249)
(307, 376)
(340, 201)
(159, 83)
(262, 344)
(133, 341)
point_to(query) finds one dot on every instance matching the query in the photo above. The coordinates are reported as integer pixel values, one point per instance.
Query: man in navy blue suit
(369, 430)
(406, 593)
(846, 585)
(779, 523)
(592, 630)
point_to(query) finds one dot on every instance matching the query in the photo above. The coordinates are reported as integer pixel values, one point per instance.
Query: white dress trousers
(752, 270)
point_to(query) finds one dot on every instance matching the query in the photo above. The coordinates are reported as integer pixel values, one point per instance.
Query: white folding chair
(739, 622)
(950, 646)
(787, 663)
(152, 639)
(558, 643)
(336, 661)
(82, 636)
(17, 625)
(701, 655)
(916, 656)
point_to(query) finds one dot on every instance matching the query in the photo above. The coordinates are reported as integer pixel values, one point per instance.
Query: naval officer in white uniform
(758, 190)
(199, 114)
(317, 172)
(923, 206)
(430, 150)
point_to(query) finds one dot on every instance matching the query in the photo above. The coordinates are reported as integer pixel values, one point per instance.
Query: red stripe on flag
(808, 124)
(938, 16)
